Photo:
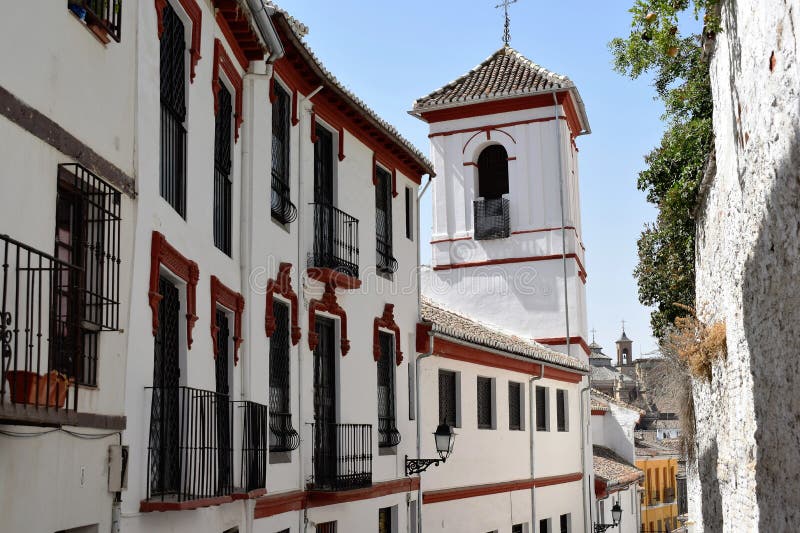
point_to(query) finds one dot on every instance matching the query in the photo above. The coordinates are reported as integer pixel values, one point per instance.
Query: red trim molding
(508, 260)
(221, 59)
(146, 506)
(327, 304)
(239, 32)
(162, 253)
(313, 127)
(295, 119)
(561, 341)
(275, 504)
(233, 301)
(228, 33)
(423, 344)
(283, 287)
(339, 279)
(196, 16)
(386, 321)
(272, 94)
(478, 356)
(473, 491)
(493, 126)
(249, 495)
(599, 412)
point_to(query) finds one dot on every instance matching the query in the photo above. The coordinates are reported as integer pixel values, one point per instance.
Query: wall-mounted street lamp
(616, 515)
(445, 437)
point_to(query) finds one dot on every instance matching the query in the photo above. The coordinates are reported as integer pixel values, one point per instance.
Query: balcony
(254, 422)
(190, 450)
(103, 17)
(48, 339)
(342, 458)
(388, 436)
(386, 263)
(491, 218)
(335, 240)
(282, 436)
(283, 210)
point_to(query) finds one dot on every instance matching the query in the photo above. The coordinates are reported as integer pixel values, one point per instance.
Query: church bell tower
(506, 240)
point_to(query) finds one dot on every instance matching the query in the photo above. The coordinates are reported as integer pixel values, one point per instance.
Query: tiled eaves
(613, 469)
(457, 326)
(602, 397)
(298, 32)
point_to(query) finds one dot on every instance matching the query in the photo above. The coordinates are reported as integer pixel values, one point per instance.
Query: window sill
(99, 32)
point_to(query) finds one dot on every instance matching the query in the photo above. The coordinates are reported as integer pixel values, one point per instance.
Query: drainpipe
(261, 14)
(586, 485)
(532, 431)
(419, 428)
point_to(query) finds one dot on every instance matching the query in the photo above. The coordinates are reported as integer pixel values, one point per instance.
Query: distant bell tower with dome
(506, 238)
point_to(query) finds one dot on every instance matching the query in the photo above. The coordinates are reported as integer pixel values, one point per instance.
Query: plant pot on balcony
(31, 388)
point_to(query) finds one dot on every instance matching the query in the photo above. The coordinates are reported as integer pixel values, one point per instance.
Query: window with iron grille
(542, 418)
(173, 111)
(283, 210)
(223, 204)
(447, 398)
(514, 405)
(103, 17)
(386, 263)
(387, 426)
(385, 520)
(516, 528)
(409, 214)
(484, 403)
(87, 235)
(564, 523)
(561, 410)
(327, 527)
(491, 210)
(283, 437)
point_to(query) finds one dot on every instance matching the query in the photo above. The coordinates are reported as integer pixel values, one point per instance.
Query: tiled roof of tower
(612, 469)
(504, 74)
(299, 31)
(460, 327)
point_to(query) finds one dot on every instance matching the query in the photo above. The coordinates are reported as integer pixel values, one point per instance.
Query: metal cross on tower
(506, 27)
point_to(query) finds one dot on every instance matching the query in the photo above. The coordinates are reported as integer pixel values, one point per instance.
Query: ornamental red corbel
(221, 59)
(233, 301)
(283, 287)
(327, 304)
(162, 253)
(386, 321)
(196, 16)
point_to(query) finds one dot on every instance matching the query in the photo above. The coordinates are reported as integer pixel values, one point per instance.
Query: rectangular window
(565, 523)
(484, 401)
(387, 428)
(409, 214)
(283, 210)
(516, 528)
(282, 436)
(385, 520)
(386, 263)
(412, 377)
(173, 111)
(562, 417)
(327, 527)
(447, 397)
(102, 17)
(542, 409)
(223, 204)
(514, 406)
(544, 525)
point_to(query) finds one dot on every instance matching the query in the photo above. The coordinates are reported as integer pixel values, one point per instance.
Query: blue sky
(390, 53)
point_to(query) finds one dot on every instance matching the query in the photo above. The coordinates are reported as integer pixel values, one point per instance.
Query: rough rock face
(747, 474)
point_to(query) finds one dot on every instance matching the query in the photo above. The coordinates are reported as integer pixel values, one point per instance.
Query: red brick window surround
(386, 321)
(163, 254)
(327, 304)
(196, 16)
(222, 60)
(282, 286)
(232, 301)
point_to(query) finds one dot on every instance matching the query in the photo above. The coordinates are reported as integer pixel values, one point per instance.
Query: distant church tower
(624, 349)
(506, 203)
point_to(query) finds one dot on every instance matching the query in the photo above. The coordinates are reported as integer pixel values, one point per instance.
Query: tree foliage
(655, 46)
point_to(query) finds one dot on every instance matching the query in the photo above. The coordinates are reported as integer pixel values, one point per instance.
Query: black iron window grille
(491, 218)
(327, 527)
(173, 111)
(447, 398)
(103, 14)
(342, 456)
(282, 436)
(223, 203)
(484, 395)
(190, 451)
(283, 210)
(387, 427)
(386, 263)
(255, 427)
(542, 422)
(516, 528)
(514, 406)
(561, 410)
(335, 240)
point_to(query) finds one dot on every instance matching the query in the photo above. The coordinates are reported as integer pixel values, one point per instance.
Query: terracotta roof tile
(606, 399)
(612, 469)
(460, 327)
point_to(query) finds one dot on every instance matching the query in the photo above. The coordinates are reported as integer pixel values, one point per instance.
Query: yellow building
(659, 495)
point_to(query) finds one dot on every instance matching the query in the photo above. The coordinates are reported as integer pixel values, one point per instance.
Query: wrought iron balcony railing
(105, 14)
(255, 421)
(491, 218)
(282, 436)
(388, 435)
(190, 451)
(283, 210)
(342, 456)
(41, 340)
(335, 240)
(386, 263)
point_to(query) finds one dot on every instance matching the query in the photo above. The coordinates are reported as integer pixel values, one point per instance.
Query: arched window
(493, 172)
